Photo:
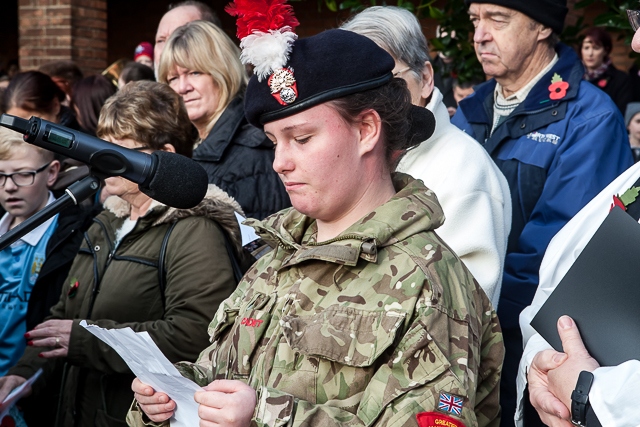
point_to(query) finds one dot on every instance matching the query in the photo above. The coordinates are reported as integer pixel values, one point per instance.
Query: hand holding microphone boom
(169, 178)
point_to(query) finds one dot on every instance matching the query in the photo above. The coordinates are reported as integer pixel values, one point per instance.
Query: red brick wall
(95, 33)
(131, 22)
(52, 30)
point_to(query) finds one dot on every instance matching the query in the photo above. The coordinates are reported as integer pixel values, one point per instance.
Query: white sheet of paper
(147, 362)
(16, 394)
(248, 233)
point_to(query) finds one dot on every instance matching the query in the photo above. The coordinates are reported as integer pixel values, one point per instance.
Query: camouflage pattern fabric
(367, 329)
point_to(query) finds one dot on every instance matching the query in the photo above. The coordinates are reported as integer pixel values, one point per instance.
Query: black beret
(550, 13)
(329, 65)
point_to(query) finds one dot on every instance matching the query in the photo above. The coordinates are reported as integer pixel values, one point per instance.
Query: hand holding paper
(229, 403)
(17, 393)
(147, 362)
(157, 405)
(562, 380)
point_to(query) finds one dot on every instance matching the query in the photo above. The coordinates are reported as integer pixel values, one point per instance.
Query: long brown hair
(89, 95)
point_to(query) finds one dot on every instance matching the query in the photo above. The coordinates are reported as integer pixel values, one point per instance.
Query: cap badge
(283, 86)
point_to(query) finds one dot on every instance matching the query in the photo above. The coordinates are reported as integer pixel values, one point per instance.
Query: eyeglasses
(634, 19)
(397, 73)
(21, 179)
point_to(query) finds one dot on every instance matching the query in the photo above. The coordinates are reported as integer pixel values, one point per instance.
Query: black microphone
(169, 178)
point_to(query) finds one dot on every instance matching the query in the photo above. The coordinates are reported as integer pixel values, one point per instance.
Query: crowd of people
(409, 226)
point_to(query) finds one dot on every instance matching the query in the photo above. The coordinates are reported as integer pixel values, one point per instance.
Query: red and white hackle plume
(265, 28)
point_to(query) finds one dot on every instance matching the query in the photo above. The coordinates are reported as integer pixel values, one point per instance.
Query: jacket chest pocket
(416, 361)
(332, 355)
(238, 331)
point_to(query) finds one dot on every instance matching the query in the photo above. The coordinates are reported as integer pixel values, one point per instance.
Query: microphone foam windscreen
(178, 181)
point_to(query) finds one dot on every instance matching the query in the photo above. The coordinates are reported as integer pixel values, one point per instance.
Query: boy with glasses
(33, 268)
(26, 173)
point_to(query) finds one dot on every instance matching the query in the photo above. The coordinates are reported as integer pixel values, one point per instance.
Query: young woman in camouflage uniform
(360, 315)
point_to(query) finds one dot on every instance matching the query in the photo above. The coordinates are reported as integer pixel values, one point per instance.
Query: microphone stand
(74, 194)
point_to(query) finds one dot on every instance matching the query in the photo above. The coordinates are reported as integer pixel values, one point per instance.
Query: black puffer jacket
(239, 159)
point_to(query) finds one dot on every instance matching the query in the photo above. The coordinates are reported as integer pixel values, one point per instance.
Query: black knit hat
(329, 65)
(550, 13)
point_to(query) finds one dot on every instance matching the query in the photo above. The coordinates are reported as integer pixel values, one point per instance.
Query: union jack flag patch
(450, 403)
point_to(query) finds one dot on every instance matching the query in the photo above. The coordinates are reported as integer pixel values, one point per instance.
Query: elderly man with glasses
(571, 388)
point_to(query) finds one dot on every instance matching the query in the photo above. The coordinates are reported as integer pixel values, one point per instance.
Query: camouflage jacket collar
(414, 209)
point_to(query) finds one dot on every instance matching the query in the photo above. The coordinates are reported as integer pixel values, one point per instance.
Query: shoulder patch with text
(436, 419)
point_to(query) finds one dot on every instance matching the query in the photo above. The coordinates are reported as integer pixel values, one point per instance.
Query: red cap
(143, 49)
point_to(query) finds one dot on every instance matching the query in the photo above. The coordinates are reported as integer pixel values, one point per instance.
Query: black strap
(162, 272)
(580, 399)
(235, 265)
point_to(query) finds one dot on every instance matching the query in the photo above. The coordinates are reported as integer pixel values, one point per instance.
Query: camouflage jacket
(370, 328)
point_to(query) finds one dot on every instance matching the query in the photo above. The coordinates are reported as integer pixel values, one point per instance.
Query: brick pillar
(53, 30)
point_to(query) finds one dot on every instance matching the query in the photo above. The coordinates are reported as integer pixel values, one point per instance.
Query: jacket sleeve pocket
(416, 361)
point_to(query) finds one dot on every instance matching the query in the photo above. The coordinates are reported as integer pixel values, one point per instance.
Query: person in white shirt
(471, 189)
(552, 376)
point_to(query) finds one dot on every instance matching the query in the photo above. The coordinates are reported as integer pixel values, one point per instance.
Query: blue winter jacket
(556, 156)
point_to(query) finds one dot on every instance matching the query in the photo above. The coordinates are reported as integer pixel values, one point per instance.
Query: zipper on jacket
(326, 242)
(340, 238)
(97, 279)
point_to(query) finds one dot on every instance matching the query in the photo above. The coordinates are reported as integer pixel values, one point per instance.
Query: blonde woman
(201, 63)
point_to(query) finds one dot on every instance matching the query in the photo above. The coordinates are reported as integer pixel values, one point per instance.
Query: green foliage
(571, 33)
(452, 19)
(614, 20)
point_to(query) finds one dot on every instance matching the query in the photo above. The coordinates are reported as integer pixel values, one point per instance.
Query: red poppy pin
(626, 199)
(558, 88)
(73, 288)
(602, 83)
